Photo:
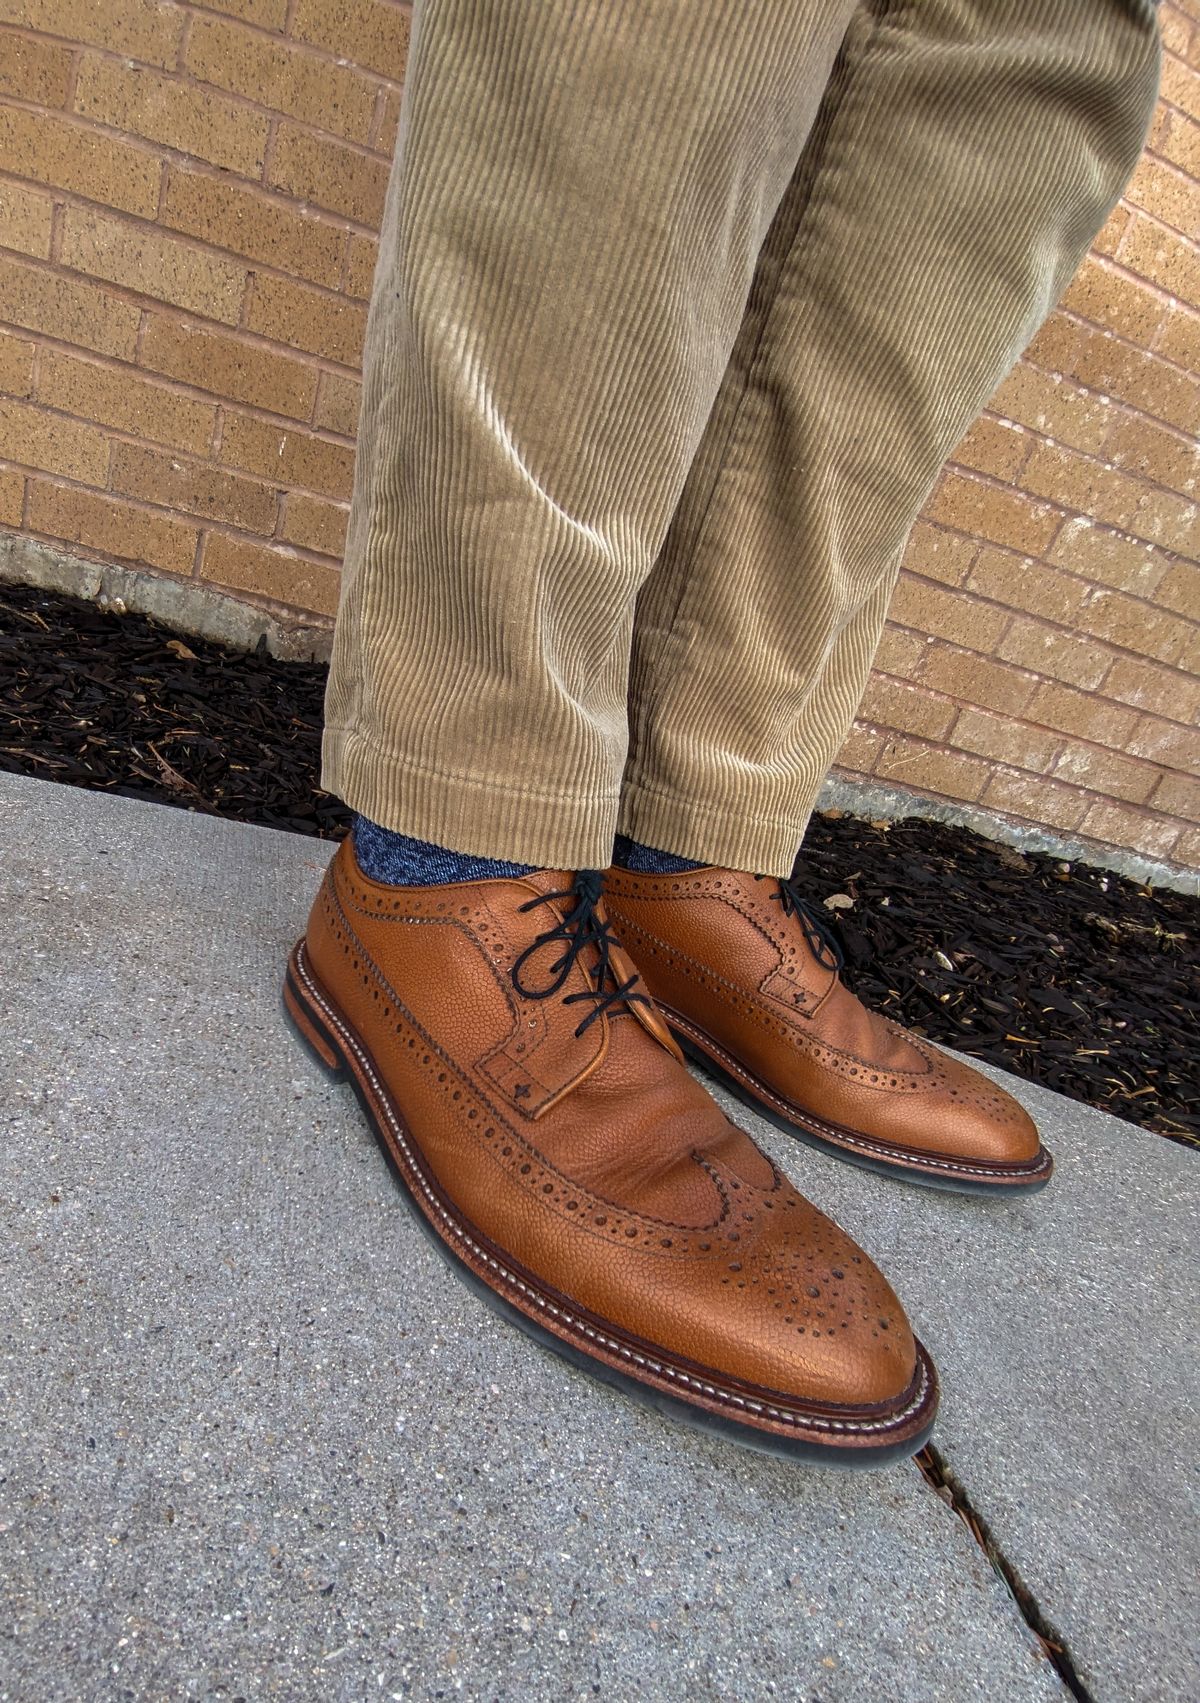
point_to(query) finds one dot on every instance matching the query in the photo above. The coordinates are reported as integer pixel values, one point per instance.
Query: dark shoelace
(579, 928)
(819, 932)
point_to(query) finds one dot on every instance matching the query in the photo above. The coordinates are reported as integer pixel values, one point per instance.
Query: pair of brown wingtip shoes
(530, 1093)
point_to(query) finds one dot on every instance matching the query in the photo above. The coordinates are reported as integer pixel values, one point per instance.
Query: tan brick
(273, 573)
(117, 397)
(1107, 365)
(1148, 687)
(1018, 582)
(1035, 798)
(1083, 713)
(16, 365)
(308, 319)
(35, 71)
(1165, 258)
(157, 476)
(12, 496)
(1109, 239)
(1106, 772)
(974, 679)
(1103, 295)
(34, 438)
(314, 524)
(154, 265)
(1005, 739)
(122, 530)
(26, 218)
(338, 402)
(1057, 655)
(860, 751)
(1166, 742)
(947, 614)
(70, 155)
(1189, 657)
(1134, 625)
(1179, 589)
(1154, 452)
(1177, 139)
(1176, 31)
(990, 511)
(368, 32)
(177, 114)
(67, 308)
(1053, 406)
(142, 29)
(1178, 795)
(1113, 558)
(268, 14)
(900, 652)
(1167, 194)
(1122, 825)
(906, 763)
(894, 703)
(289, 458)
(937, 554)
(1187, 849)
(360, 265)
(229, 366)
(389, 123)
(1106, 494)
(1180, 85)
(996, 447)
(282, 77)
(1179, 339)
(329, 173)
(249, 222)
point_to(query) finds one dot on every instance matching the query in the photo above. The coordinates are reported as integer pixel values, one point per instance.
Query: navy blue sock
(646, 860)
(405, 862)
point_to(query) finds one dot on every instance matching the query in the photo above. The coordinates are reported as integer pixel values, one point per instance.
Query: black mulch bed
(1065, 974)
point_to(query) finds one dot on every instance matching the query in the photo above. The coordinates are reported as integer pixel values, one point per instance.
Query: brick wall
(189, 196)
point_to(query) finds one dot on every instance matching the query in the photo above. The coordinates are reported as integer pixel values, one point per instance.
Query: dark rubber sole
(339, 1051)
(798, 1125)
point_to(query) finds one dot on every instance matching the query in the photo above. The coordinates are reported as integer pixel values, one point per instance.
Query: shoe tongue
(621, 966)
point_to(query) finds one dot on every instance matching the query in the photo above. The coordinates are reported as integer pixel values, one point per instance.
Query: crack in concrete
(937, 1472)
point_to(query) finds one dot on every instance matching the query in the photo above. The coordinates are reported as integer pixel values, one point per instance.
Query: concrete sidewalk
(257, 1442)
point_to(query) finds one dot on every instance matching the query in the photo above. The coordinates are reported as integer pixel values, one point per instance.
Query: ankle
(648, 860)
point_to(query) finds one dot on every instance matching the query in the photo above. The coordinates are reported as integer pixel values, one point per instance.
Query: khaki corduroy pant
(679, 310)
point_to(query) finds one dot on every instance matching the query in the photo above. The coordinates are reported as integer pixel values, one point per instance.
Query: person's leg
(580, 193)
(966, 154)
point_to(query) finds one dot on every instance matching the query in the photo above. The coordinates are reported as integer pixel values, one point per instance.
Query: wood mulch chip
(1065, 974)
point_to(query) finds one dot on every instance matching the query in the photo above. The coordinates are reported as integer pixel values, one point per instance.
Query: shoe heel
(308, 1024)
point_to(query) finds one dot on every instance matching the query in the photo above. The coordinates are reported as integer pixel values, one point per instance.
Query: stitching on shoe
(845, 1137)
(850, 1427)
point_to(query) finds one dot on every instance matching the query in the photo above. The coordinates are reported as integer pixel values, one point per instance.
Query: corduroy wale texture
(677, 315)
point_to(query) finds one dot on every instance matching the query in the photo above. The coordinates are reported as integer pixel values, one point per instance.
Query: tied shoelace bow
(819, 932)
(578, 929)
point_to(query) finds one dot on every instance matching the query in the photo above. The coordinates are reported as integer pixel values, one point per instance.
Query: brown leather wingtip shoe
(746, 974)
(549, 1137)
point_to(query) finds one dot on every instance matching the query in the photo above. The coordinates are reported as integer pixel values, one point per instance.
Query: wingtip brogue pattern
(612, 1210)
(753, 996)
